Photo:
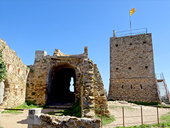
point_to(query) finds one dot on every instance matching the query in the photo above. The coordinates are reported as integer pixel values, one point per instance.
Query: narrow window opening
(130, 43)
(117, 68)
(131, 86)
(19, 71)
(144, 42)
(130, 68)
(72, 85)
(131, 36)
(116, 45)
(146, 66)
(122, 86)
(8, 66)
(140, 86)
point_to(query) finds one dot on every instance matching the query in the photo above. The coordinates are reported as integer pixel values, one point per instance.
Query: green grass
(22, 106)
(25, 105)
(1, 127)
(12, 112)
(58, 113)
(144, 103)
(162, 106)
(106, 120)
(113, 107)
(165, 118)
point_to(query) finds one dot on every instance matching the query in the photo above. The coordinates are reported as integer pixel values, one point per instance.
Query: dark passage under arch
(58, 89)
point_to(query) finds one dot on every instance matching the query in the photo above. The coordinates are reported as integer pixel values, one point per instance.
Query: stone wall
(132, 74)
(40, 83)
(15, 83)
(36, 119)
(99, 93)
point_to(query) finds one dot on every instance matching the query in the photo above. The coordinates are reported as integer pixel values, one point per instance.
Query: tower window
(140, 86)
(146, 66)
(122, 86)
(130, 43)
(117, 68)
(131, 86)
(129, 68)
(116, 45)
(144, 42)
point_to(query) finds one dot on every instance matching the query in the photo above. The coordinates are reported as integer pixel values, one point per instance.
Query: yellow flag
(132, 11)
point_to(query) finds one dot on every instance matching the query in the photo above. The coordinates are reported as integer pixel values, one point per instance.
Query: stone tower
(132, 75)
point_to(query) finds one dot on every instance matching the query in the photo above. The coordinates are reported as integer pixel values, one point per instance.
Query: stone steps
(59, 107)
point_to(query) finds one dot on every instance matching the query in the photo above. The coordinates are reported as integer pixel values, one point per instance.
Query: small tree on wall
(2, 67)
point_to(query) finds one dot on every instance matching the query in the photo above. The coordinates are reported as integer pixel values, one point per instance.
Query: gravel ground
(17, 121)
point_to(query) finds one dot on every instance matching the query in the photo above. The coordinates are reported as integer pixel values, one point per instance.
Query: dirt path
(17, 121)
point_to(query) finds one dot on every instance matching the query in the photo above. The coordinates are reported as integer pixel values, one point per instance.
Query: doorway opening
(61, 86)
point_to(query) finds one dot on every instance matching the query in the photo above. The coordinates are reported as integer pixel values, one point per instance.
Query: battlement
(40, 54)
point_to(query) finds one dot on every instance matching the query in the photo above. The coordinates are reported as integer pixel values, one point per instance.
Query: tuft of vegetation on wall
(2, 67)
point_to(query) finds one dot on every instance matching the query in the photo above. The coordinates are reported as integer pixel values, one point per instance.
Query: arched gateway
(49, 82)
(58, 85)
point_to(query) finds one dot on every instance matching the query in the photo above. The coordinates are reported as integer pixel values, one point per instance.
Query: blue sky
(69, 25)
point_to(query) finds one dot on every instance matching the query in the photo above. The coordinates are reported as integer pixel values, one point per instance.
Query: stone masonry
(132, 74)
(49, 81)
(36, 119)
(12, 92)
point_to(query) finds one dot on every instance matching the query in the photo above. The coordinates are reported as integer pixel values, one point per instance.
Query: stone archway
(58, 85)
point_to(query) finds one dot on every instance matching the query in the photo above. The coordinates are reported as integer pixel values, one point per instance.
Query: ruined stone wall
(15, 83)
(99, 93)
(40, 120)
(88, 89)
(37, 80)
(132, 75)
(45, 66)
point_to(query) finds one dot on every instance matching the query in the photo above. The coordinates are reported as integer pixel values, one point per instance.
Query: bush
(2, 68)
(75, 110)
(106, 120)
(33, 93)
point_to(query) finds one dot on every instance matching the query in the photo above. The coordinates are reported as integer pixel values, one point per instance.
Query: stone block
(34, 116)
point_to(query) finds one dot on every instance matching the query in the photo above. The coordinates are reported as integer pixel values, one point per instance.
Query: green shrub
(30, 102)
(44, 60)
(106, 120)
(27, 85)
(75, 110)
(31, 70)
(33, 93)
(2, 68)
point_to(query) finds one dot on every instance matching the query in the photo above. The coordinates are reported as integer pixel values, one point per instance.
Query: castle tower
(132, 75)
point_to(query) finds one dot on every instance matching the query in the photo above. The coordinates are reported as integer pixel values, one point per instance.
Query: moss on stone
(33, 93)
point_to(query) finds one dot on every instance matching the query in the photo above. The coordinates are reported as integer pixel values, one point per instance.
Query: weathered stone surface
(47, 121)
(132, 75)
(15, 83)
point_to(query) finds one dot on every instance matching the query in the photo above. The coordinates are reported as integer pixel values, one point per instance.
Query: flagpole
(130, 25)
